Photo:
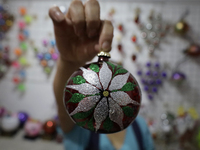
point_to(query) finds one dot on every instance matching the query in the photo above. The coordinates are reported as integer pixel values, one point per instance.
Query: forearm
(64, 71)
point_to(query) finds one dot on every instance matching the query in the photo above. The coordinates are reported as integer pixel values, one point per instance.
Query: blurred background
(158, 41)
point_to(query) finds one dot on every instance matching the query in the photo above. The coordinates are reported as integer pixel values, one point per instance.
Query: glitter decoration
(86, 104)
(78, 80)
(85, 88)
(91, 77)
(96, 94)
(105, 75)
(94, 67)
(101, 112)
(116, 113)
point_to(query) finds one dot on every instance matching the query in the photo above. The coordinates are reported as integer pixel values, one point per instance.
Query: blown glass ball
(102, 97)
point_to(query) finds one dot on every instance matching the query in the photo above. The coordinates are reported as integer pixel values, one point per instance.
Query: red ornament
(119, 46)
(134, 57)
(102, 97)
(134, 39)
(193, 50)
(120, 27)
(16, 80)
(49, 127)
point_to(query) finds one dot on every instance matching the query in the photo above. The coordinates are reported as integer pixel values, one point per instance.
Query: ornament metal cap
(105, 54)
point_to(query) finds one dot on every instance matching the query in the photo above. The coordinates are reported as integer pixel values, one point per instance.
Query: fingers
(85, 18)
(77, 16)
(106, 36)
(92, 16)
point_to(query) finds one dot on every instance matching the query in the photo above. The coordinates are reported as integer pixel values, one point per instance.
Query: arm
(80, 35)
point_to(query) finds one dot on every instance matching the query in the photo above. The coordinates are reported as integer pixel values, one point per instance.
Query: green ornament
(23, 61)
(21, 87)
(24, 46)
(47, 70)
(28, 19)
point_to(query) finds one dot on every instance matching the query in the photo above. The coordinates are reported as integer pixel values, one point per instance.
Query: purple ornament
(150, 97)
(55, 56)
(154, 89)
(157, 65)
(40, 56)
(178, 76)
(23, 117)
(158, 82)
(139, 72)
(148, 73)
(45, 42)
(155, 74)
(146, 88)
(164, 74)
(148, 64)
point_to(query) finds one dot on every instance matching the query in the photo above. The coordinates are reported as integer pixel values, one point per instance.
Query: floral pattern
(104, 92)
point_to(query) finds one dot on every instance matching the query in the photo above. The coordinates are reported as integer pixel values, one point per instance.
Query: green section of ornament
(82, 123)
(108, 124)
(76, 98)
(78, 80)
(119, 66)
(83, 115)
(112, 65)
(90, 124)
(128, 87)
(128, 111)
(94, 67)
(120, 71)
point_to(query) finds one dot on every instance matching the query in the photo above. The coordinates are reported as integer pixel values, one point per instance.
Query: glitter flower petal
(91, 77)
(101, 112)
(115, 113)
(122, 98)
(118, 81)
(105, 75)
(84, 88)
(86, 104)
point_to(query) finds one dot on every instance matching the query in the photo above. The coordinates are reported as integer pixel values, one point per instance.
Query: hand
(80, 35)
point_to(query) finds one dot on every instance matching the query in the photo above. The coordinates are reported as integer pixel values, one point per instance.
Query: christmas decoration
(102, 97)
(152, 77)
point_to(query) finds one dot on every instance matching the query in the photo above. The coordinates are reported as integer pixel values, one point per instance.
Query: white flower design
(110, 99)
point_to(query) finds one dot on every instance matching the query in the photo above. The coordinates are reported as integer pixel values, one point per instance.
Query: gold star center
(105, 93)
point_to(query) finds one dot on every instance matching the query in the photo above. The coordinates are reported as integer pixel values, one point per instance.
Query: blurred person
(80, 36)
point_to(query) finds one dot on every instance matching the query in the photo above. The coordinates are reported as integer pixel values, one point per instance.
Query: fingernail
(105, 45)
(57, 15)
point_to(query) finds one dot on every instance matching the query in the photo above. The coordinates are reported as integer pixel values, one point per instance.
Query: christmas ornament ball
(102, 97)
(49, 127)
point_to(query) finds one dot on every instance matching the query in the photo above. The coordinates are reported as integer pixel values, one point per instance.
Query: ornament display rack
(38, 100)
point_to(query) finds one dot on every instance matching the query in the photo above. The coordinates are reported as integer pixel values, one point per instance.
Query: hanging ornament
(152, 76)
(102, 97)
(178, 77)
(48, 57)
(23, 117)
(181, 27)
(9, 125)
(193, 50)
(32, 129)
